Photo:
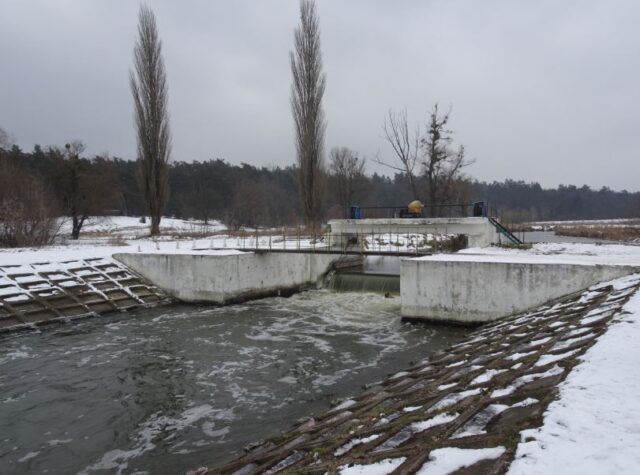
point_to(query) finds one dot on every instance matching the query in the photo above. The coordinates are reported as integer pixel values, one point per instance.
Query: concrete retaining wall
(225, 279)
(467, 291)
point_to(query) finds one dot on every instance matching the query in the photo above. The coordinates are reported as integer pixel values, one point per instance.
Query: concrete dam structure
(451, 288)
(468, 289)
(226, 279)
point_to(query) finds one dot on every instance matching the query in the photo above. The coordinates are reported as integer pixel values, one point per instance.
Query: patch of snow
(525, 402)
(354, 442)
(593, 427)
(547, 359)
(343, 405)
(517, 356)
(449, 459)
(565, 253)
(455, 398)
(596, 318)
(487, 376)
(571, 341)
(539, 341)
(440, 419)
(477, 424)
(399, 374)
(503, 392)
(579, 331)
(379, 468)
(527, 378)
(457, 363)
(557, 324)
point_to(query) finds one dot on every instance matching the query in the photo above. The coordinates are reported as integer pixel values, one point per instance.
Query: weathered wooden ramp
(45, 292)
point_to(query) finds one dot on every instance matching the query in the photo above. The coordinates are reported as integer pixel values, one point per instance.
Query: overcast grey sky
(541, 90)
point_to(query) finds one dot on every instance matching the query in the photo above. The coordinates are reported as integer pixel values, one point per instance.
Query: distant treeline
(248, 195)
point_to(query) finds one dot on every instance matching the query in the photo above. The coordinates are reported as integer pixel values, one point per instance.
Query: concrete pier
(224, 279)
(469, 289)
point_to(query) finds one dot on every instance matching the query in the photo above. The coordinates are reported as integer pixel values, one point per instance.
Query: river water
(168, 389)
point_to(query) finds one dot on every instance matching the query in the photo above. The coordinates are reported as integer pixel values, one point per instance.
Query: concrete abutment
(468, 290)
(225, 279)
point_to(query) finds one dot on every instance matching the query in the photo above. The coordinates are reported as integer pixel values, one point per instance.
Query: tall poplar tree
(306, 104)
(149, 89)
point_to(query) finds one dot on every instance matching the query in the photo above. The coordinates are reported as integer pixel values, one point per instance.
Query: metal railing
(450, 210)
(395, 242)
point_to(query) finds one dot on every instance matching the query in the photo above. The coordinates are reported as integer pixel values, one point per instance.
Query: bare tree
(442, 165)
(347, 168)
(149, 89)
(86, 188)
(405, 145)
(74, 193)
(28, 215)
(306, 104)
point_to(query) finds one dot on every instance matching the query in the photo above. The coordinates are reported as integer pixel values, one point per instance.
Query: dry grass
(116, 241)
(609, 233)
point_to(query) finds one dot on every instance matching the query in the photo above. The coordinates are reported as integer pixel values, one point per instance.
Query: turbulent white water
(169, 389)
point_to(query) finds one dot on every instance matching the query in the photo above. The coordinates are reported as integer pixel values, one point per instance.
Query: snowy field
(589, 223)
(103, 237)
(568, 253)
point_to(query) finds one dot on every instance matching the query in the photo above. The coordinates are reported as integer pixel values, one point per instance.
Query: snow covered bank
(578, 253)
(594, 427)
(104, 237)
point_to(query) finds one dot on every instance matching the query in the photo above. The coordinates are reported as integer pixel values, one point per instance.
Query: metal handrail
(433, 210)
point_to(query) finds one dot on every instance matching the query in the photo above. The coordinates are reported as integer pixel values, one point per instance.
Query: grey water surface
(169, 389)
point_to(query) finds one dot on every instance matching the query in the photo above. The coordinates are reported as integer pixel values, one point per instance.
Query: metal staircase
(505, 232)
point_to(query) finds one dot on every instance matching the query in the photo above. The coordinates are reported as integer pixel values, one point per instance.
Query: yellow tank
(415, 207)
